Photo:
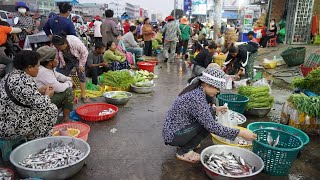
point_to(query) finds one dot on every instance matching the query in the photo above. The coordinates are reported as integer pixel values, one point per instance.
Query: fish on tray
(228, 164)
(55, 155)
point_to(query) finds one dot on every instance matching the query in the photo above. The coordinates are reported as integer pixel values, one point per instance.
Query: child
(251, 37)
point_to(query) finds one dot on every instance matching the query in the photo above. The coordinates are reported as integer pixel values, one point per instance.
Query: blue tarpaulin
(230, 15)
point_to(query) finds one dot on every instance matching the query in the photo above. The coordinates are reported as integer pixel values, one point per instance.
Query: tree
(179, 13)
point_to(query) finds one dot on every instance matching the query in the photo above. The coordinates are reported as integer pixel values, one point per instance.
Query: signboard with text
(187, 5)
(199, 7)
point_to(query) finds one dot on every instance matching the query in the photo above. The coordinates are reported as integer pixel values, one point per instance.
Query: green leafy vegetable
(259, 97)
(305, 104)
(311, 82)
(120, 95)
(118, 79)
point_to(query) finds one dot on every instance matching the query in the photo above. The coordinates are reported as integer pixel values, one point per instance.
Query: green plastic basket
(236, 102)
(270, 125)
(294, 56)
(277, 160)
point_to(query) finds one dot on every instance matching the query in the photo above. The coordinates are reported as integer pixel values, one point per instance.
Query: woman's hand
(81, 69)
(222, 109)
(247, 134)
(42, 90)
(49, 91)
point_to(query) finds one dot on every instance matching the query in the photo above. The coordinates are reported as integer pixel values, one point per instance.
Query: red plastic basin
(148, 66)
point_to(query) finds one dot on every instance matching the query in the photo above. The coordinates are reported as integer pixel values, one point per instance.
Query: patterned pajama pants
(172, 46)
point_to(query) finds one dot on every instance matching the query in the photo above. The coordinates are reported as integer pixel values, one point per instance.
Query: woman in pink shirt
(72, 53)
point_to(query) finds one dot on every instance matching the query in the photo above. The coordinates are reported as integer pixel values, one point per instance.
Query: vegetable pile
(120, 95)
(259, 97)
(144, 78)
(305, 104)
(117, 79)
(310, 82)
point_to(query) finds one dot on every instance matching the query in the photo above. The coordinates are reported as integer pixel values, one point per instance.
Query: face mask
(22, 10)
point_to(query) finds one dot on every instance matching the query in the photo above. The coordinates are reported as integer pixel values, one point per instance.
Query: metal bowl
(142, 90)
(260, 112)
(35, 146)
(115, 101)
(249, 157)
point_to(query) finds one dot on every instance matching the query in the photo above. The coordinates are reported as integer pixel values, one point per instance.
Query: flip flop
(199, 146)
(190, 157)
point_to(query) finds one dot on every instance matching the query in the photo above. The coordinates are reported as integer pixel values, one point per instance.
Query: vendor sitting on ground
(24, 111)
(62, 85)
(114, 58)
(203, 59)
(131, 44)
(95, 64)
(190, 120)
(236, 61)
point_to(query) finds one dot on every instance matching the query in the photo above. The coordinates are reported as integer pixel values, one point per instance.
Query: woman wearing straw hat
(190, 120)
(185, 36)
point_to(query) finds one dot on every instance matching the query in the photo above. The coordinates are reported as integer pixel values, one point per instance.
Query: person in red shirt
(126, 26)
(5, 29)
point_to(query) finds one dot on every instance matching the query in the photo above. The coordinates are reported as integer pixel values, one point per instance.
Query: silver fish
(276, 141)
(228, 164)
(55, 155)
(269, 139)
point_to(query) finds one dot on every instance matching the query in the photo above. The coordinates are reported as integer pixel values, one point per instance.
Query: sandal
(190, 157)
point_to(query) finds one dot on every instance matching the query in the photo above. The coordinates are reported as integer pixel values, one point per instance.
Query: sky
(163, 7)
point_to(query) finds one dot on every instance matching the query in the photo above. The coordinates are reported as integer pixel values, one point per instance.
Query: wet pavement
(137, 151)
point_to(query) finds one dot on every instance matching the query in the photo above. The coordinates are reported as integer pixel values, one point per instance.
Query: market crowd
(38, 83)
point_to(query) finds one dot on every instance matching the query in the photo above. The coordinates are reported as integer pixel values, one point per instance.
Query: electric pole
(217, 16)
(175, 7)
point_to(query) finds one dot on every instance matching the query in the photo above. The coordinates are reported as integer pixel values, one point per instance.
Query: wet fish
(55, 155)
(5, 174)
(228, 164)
(276, 141)
(270, 139)
(106, 112)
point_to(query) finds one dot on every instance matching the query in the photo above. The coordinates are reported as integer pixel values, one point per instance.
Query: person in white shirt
(96, 29)
(47, 77)
(130, 43)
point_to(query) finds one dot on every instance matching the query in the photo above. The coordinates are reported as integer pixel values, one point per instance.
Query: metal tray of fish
(57, 157)
(230, 161)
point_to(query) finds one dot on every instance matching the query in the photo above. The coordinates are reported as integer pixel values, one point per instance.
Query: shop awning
(230, 15)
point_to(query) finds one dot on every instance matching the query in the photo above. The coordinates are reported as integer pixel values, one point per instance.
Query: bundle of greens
(259, 97)
(310, 82)
(117, 79)
(306, 104)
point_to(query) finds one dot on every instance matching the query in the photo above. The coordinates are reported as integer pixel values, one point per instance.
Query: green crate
(317, 39)
(294, 56)
(236, 102)
(277, 160)
(289, 129)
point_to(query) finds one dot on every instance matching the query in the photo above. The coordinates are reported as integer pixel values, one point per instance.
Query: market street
(137, 150)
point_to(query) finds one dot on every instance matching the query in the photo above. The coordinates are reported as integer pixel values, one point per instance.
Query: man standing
(109, 28)
(96, 65)
(96, 29)
(60, 24)
(170, 41)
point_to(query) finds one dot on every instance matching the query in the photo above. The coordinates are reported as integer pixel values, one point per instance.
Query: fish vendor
(190, 120)
(24, 111)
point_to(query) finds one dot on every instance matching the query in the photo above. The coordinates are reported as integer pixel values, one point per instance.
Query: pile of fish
(236, 117)
(238, 140)
(56, 155)
(228, 164)
(106, 112)
(5, 174)
(272, 142)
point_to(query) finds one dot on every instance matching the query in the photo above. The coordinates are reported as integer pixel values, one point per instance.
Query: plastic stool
(7, 145)
(272, 42)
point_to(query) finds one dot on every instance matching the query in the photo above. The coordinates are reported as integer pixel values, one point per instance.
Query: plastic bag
(225, 120)
(242, 82)
(262, 82)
